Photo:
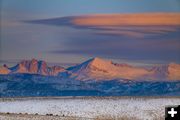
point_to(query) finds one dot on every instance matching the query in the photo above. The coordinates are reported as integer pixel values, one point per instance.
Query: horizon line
(5, 62)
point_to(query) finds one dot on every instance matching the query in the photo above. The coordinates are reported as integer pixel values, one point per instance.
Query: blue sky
(73, 7)
(66, 44)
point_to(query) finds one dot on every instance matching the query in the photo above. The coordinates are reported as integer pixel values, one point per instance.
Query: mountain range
(94, 77)
(96, 69)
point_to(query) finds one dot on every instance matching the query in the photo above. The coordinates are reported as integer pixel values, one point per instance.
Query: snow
(139, 107)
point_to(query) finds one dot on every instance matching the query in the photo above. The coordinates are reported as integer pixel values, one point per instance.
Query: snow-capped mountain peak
(101, 64)
(89, 64)
(97, 68)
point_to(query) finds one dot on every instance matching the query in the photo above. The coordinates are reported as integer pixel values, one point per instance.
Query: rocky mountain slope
(32, 67)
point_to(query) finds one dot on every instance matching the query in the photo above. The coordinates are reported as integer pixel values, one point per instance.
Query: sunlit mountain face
(96, 69)
(90, 47)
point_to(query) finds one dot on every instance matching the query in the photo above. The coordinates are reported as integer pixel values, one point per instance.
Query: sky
(140, 32)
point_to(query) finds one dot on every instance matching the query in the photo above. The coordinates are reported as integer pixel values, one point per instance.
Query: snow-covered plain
(90, 107)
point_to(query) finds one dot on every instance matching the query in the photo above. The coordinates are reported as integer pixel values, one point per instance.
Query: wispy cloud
(95, 20)
(131, 25)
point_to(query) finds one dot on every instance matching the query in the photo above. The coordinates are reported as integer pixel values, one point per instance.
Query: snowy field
(142, 108)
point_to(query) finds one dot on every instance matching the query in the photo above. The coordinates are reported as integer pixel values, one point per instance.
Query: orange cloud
(128, 19)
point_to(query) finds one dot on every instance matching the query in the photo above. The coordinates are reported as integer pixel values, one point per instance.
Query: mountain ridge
(97, 69)
(35, 67)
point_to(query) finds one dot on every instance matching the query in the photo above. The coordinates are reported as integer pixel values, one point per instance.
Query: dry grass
(21, 116)
(12, 116)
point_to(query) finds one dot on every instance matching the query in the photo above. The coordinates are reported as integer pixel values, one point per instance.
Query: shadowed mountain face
(37, 85)
(97, 69)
